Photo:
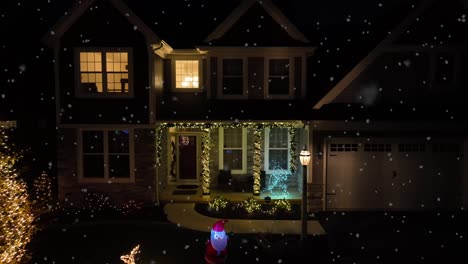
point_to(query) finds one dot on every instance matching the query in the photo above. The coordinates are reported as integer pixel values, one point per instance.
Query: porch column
(256, 161)
(205, 158)
(315, 188)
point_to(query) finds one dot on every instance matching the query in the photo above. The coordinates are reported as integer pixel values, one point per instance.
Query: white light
(304, 156)
(185, 84)
(195, 84)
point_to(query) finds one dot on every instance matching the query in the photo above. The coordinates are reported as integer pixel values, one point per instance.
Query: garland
(159, 137)
(256, 162)
(292, 138)
(205, 158)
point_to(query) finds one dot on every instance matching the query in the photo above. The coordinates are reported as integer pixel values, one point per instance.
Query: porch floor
(166, 195)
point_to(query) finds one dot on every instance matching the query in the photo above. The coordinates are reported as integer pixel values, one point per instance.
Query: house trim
(257, 51)
(106, 179)
(372, 56)
(80, 7)
(269, 7)
(244, 151)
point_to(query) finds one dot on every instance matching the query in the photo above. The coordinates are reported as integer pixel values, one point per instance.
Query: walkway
(184, 215)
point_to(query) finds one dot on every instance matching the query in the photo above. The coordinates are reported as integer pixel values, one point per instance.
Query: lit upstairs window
(104, 72)
(187, 74)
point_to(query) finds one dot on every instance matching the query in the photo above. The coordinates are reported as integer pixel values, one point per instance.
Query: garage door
(392, 174)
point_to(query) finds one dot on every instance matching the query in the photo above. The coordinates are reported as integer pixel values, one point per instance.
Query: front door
(187, 152)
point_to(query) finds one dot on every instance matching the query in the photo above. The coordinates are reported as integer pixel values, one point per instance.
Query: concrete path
(184, 214)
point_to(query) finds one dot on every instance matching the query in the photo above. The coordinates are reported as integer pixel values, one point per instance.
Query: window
(106, 155)
(276, 149)
(187, 74)
(233, 77)
(279, 81)
(232, 152)
(104, 73)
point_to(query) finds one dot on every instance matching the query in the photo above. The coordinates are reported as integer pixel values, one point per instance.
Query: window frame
(244, 151)
(266, 160)
(221, 78)
(200, 74)
(103, 51)
(106, 178)
(266, 67)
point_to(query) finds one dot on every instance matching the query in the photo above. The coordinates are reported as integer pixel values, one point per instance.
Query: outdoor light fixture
(304, 156)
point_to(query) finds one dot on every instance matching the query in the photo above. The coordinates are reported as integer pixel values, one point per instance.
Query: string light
(16, 219)
(206, 146)
(130, 258)
(205, 158)
(257, 134)
(42, 193)
(251, 205)
(218, 203)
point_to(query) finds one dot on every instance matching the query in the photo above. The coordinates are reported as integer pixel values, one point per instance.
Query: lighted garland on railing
(257, 134)
(292, 138)
(205, 158)
(159, 136)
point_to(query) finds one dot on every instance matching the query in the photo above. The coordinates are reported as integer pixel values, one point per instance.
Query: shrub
(251, 205)
(218, 203)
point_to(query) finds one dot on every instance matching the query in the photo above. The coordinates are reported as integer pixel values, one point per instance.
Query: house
(148, 100)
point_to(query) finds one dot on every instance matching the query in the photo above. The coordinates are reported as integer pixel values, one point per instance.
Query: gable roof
(373, 55)
(80, 7)
(270, 8)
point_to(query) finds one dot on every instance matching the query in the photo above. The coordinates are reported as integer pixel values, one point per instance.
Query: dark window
(233, 77)
(377, 147)
(278, 78)
(411, 147)
(344, 147)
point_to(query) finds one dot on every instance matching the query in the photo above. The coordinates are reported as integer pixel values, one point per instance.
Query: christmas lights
(130, 258)
(42, 193)
(205, 158)
(256, 162)
(219, 203)
(16, 219)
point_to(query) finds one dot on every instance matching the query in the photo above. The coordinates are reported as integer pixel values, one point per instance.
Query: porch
(174, 193)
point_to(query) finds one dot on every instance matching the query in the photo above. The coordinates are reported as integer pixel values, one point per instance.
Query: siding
(255, 77)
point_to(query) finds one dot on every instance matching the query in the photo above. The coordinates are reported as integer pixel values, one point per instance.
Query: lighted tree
(42, 192)
(130, 258)
(16, 219)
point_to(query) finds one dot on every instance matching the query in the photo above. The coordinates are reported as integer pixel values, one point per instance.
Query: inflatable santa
(216, 251)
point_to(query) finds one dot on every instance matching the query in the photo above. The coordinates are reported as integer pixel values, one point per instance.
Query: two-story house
(146, 103)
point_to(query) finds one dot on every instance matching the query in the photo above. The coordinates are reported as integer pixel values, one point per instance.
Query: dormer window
(104, 73)
(187, 75)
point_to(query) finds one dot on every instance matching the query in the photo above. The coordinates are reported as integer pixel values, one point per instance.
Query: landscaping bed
(266, 211)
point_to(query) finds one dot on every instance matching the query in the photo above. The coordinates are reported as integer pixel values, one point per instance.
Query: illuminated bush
(282, 205)
(16, 218)
(42, 196)
(251, 205)
(218, 203)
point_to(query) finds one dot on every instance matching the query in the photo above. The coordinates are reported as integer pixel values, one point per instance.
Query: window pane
(278, 85)
(118, 141)
(93, 142)
(186, 73)
(93, 166)
(233, 138)
(278, 159)
(279, 67)
(232, 67)
(91, 68)
(233, 86)
(232, 159)
(278, 138)
(119, 166)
